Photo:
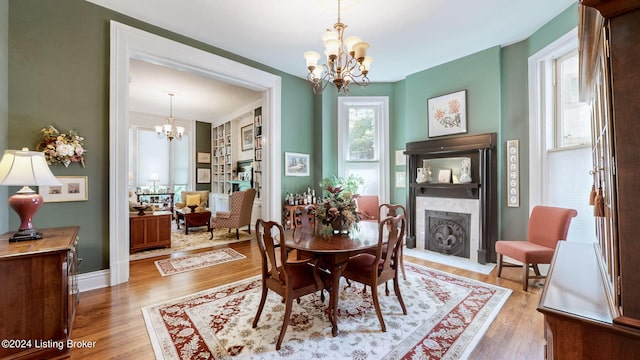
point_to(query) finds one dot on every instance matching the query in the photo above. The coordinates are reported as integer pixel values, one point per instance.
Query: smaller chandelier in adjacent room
(346, 61)
(170, 130)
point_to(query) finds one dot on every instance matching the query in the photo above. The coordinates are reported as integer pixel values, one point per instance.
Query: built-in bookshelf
(257, 146)
(222, 159)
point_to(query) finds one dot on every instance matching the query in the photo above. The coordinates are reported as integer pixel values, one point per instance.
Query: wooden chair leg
(285, 322)
(525, 276)
(263, 299)
(376, 304)
(396, 289)
(238, 234)
(404, 274)
(536, 270)
(499, 264)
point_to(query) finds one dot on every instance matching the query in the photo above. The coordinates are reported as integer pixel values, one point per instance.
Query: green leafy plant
(338, 210)
(350, 183)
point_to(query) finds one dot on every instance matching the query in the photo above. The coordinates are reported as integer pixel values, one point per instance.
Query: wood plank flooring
(112, 317)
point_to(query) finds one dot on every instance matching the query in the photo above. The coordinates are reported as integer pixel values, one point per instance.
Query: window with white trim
(363, 127)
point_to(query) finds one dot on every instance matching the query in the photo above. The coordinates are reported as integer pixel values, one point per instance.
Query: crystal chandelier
(346, 61)
(170, 130)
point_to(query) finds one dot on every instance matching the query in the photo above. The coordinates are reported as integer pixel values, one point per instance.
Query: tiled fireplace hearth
(457, 218)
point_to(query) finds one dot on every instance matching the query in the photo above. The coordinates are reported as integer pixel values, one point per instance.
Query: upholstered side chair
(368, 207)
(547, 226)
(239, 214)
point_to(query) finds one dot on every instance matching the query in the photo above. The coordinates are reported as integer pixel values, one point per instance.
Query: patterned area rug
(178, 265)
(447, 315)
(198, 238)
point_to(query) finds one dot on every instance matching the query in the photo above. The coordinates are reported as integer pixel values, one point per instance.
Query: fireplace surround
(480, 193)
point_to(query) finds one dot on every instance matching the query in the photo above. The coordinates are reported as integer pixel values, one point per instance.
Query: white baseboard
(93, 280)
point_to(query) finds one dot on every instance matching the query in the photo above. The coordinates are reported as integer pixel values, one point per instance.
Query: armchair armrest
(223, 214)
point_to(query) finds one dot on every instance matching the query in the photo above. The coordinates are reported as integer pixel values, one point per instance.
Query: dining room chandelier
(169, 129)
(347, 61)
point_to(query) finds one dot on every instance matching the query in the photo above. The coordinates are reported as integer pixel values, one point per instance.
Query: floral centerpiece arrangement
(337, 213)
(63, 148)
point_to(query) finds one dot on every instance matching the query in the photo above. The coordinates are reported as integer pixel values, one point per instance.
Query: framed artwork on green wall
(296, 164)
(447, 114)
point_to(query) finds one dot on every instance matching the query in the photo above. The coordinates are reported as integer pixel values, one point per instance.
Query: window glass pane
(181, 161)
(370, 172)
(573, 120)
(362, 134)
(153, 158)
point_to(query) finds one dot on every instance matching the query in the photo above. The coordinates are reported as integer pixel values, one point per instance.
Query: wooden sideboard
(591, 300)
(149, 231)
(577, 318)
(39, 296)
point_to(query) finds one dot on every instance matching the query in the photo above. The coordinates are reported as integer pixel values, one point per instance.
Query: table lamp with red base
(25, 168)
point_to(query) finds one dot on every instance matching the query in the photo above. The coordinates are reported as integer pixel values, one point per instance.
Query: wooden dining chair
(385, 210)
(288, 278)
(303, 216)
(376, 269)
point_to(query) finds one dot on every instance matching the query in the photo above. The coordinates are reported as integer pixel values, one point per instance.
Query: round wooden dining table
(333, 252)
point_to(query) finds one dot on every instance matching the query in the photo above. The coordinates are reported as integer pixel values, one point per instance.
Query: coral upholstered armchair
(239, 214)
(547, 226)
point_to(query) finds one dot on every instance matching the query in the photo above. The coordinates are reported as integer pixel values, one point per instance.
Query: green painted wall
(203, 144)
(299, 136)
(4, 112)
(515, 125)
(58, 73)
(558, 26)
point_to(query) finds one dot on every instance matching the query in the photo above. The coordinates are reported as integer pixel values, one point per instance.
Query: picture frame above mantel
(447, 114)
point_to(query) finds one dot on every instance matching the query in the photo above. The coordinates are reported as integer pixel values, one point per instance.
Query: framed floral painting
(447, 114)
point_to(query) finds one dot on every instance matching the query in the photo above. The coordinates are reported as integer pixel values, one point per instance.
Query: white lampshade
(360, 49)
(25, 168)
(367, 63)
(332, 47)
(350, 41)
(312, 58)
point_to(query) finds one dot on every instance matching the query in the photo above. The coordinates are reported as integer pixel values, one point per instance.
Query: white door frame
(128, 42)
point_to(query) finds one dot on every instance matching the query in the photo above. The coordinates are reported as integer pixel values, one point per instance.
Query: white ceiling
(405, 36)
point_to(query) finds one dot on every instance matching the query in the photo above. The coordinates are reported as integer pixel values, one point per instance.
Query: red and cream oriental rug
(446, 316)
(196, 261)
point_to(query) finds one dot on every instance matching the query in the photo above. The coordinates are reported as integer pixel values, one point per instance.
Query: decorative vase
(339, 226)
(465, 171)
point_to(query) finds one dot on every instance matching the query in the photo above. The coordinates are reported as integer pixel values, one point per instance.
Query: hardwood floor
(112, 317)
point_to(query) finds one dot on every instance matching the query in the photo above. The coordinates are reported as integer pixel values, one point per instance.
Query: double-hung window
(363, 128)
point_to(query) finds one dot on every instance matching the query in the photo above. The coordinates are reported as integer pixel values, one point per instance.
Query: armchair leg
(237, 234)
(525, 277)
(499, 264)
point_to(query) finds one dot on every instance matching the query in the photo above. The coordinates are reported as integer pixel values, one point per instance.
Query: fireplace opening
(447, 233)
